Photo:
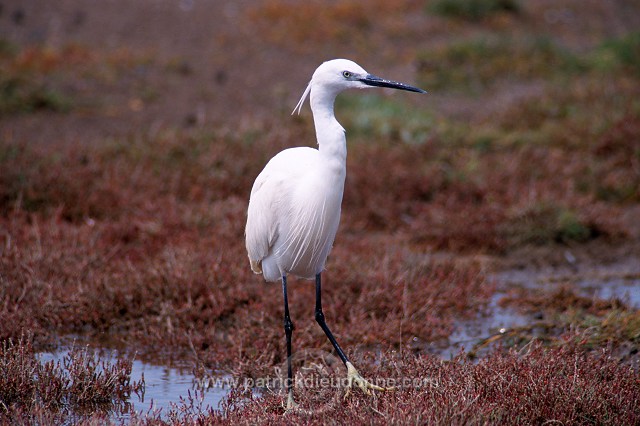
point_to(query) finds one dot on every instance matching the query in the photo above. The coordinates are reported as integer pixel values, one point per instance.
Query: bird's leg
(353, 377)
(288, 330)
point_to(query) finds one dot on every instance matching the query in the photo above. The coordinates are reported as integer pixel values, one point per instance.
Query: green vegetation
(545, 223)
(474, 65)
(25, 95)
(623, 52)
(473, 10)
(23, 88)
(477, 63)
(369, 116)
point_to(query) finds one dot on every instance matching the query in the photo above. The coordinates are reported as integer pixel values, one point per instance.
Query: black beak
(372, 80)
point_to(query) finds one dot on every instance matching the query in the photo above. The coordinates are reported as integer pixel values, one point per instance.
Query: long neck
(332, 142)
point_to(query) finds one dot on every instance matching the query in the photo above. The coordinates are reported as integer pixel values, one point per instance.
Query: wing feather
(270, 203)
(293, 215)
(262, 227)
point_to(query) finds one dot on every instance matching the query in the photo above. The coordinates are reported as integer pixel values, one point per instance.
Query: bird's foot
(293, 407)
(291, 404)
(353, 377)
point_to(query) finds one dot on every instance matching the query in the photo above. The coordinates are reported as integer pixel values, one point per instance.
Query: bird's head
(340, 74)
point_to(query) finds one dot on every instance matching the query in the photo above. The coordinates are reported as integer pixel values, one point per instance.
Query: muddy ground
(130, 135)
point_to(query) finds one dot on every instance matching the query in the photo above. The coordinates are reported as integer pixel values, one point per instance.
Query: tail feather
(256, 266)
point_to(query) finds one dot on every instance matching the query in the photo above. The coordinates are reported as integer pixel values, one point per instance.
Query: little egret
(294, 207)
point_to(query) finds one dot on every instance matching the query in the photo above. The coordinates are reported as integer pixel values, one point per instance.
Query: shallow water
(620, 282)
(469, 332)
(625, 289)
(164, 386)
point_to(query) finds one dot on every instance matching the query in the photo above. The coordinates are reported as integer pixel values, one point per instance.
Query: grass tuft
(621, 52)
(545, 223)
(473, 10)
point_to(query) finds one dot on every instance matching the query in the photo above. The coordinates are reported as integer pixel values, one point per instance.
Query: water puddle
(613, 282)
(623, 288)
(619, 282)
(164, 386)
(468, 333)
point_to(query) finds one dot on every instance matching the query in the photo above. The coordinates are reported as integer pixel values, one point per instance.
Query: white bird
(294, 208)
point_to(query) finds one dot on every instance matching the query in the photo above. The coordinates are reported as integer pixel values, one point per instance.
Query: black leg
(288, 330)
(323, 324)
(353, 376)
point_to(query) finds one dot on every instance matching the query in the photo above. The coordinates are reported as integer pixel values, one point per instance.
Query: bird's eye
(346, 74)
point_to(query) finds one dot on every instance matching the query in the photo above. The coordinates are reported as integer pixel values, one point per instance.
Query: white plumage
(294, 208)
(294, 213)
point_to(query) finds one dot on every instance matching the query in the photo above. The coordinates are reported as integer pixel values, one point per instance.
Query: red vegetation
(125, 174)
(506, 387)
